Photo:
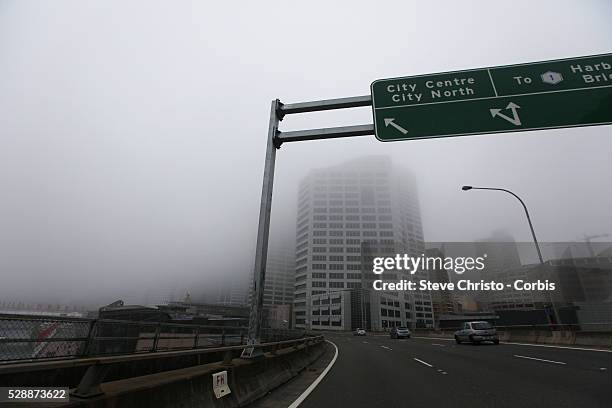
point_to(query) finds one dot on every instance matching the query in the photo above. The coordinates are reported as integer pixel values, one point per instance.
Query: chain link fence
(33, 338)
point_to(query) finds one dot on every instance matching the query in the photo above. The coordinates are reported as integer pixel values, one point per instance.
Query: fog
(132, 133)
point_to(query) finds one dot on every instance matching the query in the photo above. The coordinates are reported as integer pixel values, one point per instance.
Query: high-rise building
(280, 275)
(443, 300)
(235, 293)
(502, 254)
(279, 285)
(364, 201)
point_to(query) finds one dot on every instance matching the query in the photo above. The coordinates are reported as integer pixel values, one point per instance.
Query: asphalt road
(376, 371)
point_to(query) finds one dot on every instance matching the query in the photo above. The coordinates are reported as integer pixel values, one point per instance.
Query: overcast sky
(132, 133)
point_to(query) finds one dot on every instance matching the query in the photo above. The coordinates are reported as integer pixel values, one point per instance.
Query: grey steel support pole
(263, 231)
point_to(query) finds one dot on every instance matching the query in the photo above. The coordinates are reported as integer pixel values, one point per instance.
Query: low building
(331, 311)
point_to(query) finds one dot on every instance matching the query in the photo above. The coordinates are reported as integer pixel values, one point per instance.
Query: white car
(359, 332)
(476, 332)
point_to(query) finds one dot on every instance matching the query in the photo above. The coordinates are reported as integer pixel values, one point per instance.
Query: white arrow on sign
(515, 120)
(389, 121)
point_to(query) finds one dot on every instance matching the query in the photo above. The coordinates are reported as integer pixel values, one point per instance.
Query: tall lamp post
(535, 240)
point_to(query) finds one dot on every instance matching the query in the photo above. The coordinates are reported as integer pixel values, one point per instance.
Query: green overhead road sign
(540, 95)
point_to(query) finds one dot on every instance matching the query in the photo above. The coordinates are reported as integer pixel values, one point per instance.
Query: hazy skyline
(132, 134)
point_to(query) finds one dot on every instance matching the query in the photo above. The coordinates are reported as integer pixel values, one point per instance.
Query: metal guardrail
(31, 338)
(98, 367)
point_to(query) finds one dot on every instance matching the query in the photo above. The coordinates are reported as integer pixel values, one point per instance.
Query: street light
(535, 240)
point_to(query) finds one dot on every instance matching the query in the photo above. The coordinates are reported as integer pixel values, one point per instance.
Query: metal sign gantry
(276, 138)
(548, 94)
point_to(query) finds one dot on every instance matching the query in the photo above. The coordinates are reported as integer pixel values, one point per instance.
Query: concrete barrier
(552, 337)
(248, 380)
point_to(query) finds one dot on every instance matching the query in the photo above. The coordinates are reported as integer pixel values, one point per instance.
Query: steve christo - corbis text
(459, 265)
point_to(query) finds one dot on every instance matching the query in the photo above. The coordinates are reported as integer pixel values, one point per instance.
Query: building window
(336, 267)
(319, 266)
(336, 284)
(336, 275)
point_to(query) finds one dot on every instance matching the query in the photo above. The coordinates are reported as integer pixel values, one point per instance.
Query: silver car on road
(476, 332)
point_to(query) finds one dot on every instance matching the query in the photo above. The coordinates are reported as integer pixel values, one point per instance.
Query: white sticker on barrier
(220, 385)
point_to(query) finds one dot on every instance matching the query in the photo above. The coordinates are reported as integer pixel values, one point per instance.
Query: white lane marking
(526, 344)
(316, 382)
(540, 359)
(436, 344)
(433, 338)
(365, 342)
(423, 362)
(603, 368)
(385, 347)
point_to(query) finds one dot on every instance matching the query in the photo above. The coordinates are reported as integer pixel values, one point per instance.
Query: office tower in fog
(280, 272)
(367, 200)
